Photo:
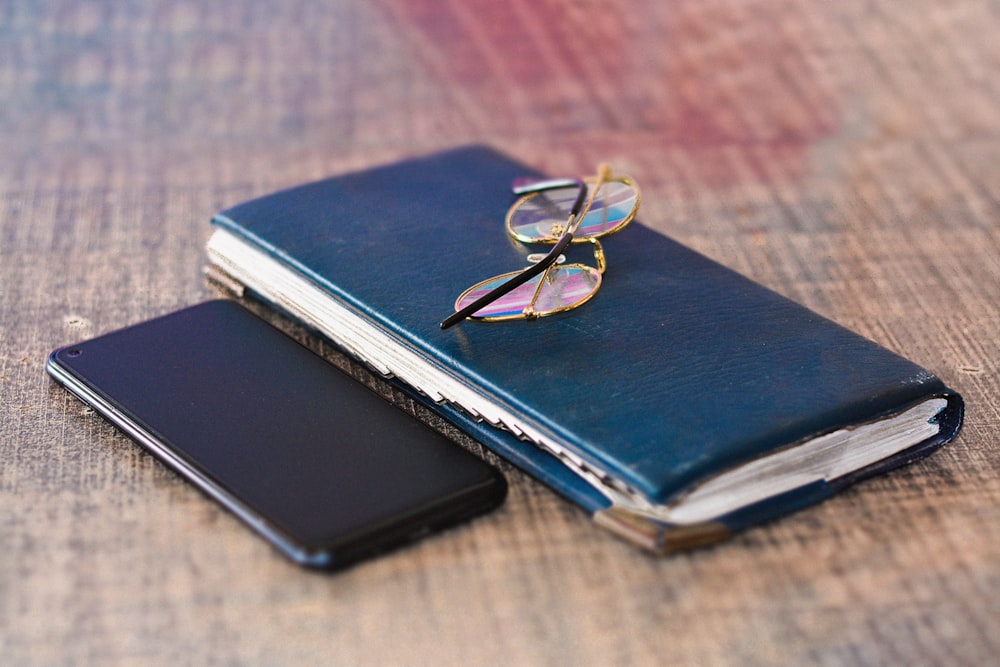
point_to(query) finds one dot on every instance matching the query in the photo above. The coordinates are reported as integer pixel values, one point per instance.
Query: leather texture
(678, 369)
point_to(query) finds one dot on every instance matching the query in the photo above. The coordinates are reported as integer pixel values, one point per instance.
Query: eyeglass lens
(542, 216)
(562, 287)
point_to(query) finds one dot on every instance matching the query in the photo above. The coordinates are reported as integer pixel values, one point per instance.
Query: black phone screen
(323, 466)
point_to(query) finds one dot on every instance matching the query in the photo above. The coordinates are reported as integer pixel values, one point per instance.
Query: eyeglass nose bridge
(602, 263)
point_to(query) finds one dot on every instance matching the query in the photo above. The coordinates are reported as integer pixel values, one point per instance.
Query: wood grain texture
(845, 154)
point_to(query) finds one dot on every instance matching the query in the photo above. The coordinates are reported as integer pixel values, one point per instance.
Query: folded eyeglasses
(554, 212)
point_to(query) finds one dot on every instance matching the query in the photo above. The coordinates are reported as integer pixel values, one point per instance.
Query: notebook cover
(677, 370)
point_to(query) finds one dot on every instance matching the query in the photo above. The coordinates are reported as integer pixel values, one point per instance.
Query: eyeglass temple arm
(524, 187)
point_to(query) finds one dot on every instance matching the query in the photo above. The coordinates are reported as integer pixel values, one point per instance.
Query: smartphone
(320, 465)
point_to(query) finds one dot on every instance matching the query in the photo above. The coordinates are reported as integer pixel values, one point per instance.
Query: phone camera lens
(73, 353)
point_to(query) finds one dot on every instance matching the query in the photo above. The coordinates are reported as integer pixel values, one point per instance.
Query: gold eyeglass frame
(562, 235)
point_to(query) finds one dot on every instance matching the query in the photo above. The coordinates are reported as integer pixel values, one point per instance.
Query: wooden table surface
(846, 154)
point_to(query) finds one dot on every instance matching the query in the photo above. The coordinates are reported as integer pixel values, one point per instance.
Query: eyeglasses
(554, 212)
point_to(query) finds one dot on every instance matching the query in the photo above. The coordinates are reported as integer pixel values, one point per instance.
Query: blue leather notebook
(681, 403)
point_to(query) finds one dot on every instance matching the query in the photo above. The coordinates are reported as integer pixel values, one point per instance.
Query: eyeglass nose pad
(536, 257)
